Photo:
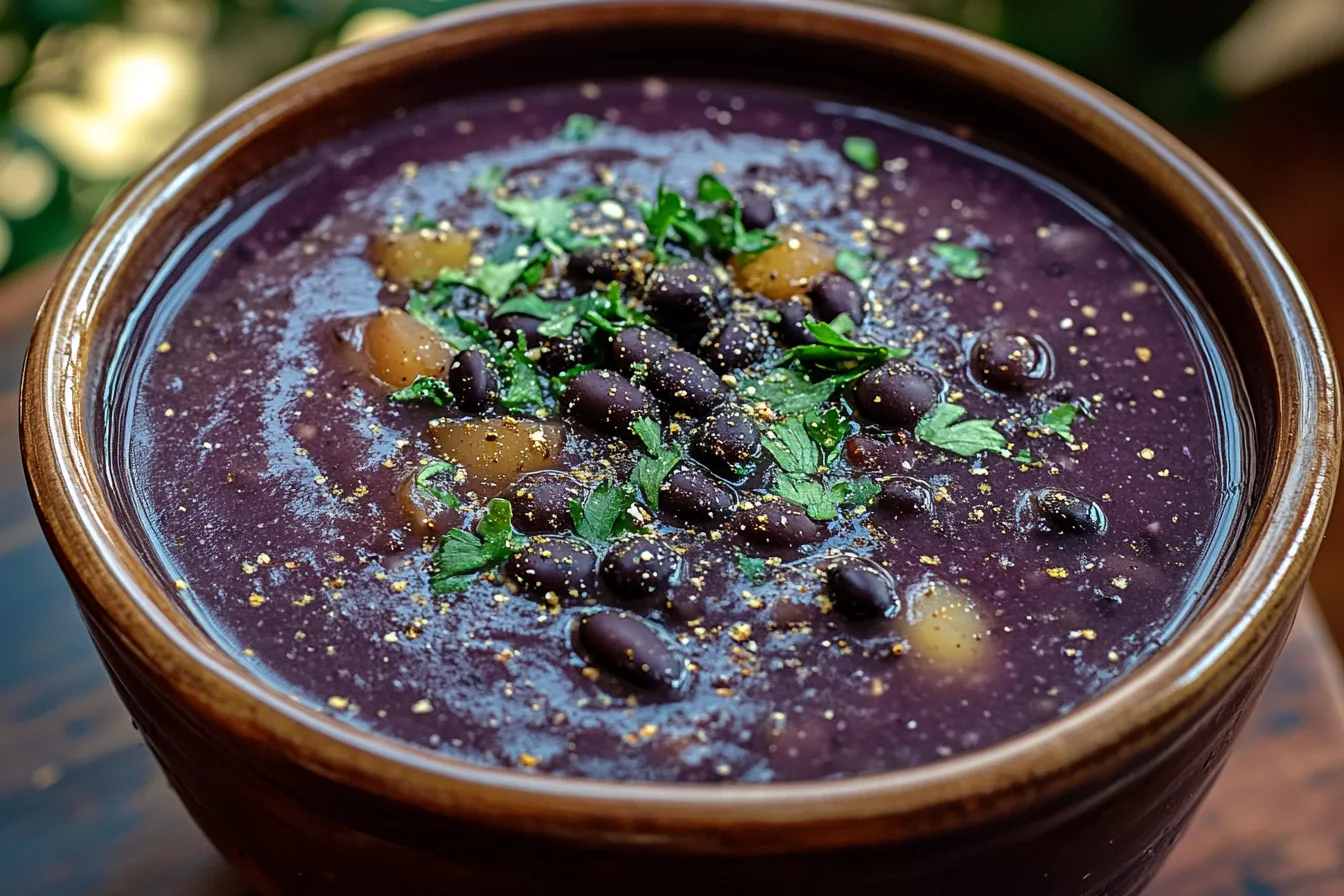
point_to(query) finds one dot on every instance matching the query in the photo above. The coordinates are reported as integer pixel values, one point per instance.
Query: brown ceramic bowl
(1087, 804)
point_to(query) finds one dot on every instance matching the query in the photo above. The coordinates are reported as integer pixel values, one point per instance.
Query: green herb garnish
(605, 516)
(753, 568)
(789, 391)
(1023, 456)
(836, 352)
(853, 265)
(578, 128)
(426, 389)
(530, 305)
(522, 386)
(670, 216)
(489, 180)
(862, 152)
(962, 261)
(711, 189)
(967, 438)
(424, 480)
(821, 502)
(1060, 419)
(660, 460)
(492, 279)
(861, 492)
(793, 447)
(827, 428)
(460, 552)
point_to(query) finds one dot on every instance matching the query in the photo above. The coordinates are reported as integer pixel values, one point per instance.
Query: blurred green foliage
(80, 79)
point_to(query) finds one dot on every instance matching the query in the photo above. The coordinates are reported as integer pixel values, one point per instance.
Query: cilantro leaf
(962, 261)
(530, 305)
(853, 265)
(427, 389)
(862, 152)
(822, 502)
(828, 429)
(578, 128)
(605, 515)
(489, 180)
(843, 324)
(522, 389)
(461, 552)
(968, 438)
(711, 189)
(424, 480)
(752, 567)
(457, 331)
(861, 492)
(661, 460)
(649, 433)
(547, 217)
(492, 279)
(792, 447)
(1022, 457)
(835, 351)
(1060, 419)
(659, 216)
(789, 391)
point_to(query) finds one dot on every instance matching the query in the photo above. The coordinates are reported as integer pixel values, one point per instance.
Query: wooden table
(84, 810)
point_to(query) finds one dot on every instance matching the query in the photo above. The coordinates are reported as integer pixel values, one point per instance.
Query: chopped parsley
(862, 152)
(837, 353)
(862, 492)
(787, 390)
(424, 480)
(530, 305)
(1060, 419)
(802, 447)
(425, 389)
(753, 568)
(670, 216)
(967, 438)
(458, 332)
(489, 180)
(821, 501)
(492, 279)
(547, 218)
(854, 265)
(605, 516)
(792, 447)
(522, 386)
(460, 552)
(659, 461)
(962, 261)
(578, 128)
(828, 429)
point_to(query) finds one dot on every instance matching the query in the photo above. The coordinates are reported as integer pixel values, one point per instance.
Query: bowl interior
(1108, 154)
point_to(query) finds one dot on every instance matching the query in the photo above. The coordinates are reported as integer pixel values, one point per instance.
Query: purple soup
(673, 432)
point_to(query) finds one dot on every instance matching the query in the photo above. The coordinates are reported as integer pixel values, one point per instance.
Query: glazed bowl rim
(1131, 716)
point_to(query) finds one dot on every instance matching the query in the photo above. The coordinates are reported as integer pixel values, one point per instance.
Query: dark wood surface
(84, 810)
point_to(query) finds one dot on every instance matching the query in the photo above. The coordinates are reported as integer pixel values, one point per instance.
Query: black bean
(780, 523)
(638, 345)
(607, 402)
(640, 567)
(684, 297)
(861, 590)
(473, 382)
(561, 353)
(792, 328)
(553, 569)
(541, 502)
(1057, 512)
(758, 210)
(897, 394)
(735, 343)
(626, 646)
(834, 295)
(509, 326)
(691, 494)
(726, 441)
(1010, 362)
(685, 383)
(600, 265)
(905, 496)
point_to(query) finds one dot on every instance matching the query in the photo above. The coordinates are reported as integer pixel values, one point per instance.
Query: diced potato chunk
(942, 626)
(400, 348)
(496, 452)
(421, 510)
(786, 269)
(417, 256)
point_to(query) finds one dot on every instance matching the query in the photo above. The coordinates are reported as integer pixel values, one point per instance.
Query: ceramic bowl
(1087, 804)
